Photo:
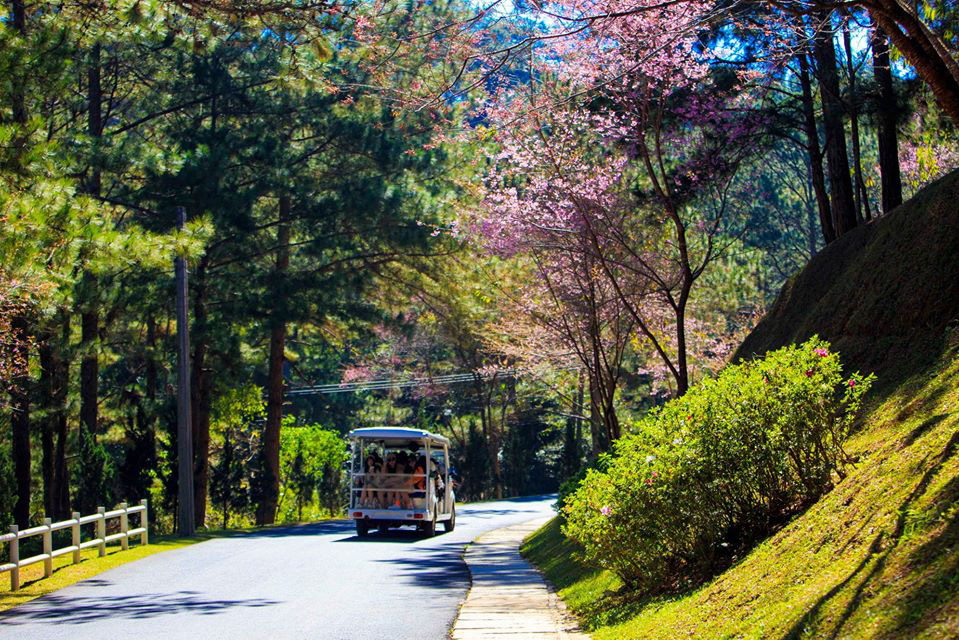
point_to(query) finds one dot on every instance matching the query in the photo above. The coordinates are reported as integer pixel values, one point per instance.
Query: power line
(391, 383)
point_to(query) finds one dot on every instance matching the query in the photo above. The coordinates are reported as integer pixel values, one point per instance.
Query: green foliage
(236, 413)
(569, 487)
(474, 466)
(228, 476)
(311, 468)
(713, 471)
(95, 475)
(8, 489)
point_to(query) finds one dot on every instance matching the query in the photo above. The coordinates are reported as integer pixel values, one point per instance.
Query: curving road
(314, 581)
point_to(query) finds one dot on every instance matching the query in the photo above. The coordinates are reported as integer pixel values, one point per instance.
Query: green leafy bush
(571, 484)
(713, 471)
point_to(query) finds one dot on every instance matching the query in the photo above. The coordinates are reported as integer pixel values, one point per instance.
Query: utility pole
(184, 431)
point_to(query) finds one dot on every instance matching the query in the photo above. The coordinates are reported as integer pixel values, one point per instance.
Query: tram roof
(397, 433)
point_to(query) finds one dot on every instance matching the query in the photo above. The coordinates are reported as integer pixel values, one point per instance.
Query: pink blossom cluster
(627, 43)
(922, 161)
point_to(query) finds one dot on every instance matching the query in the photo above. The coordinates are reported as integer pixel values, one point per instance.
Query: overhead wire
(393, 383)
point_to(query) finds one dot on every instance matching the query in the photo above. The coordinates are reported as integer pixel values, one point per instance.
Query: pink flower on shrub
(606, 510)
(809, 373)
(822, 353)
(655, 475)
(852, 383)
(649, 482)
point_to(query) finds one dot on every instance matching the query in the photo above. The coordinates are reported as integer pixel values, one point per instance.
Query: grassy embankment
(878, 556)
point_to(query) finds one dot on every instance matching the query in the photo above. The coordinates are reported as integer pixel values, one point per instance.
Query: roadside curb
(508, 598)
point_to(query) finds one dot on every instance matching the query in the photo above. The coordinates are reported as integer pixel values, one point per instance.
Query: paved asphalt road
(314, 581)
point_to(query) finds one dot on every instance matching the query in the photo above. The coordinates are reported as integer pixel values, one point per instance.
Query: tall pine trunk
(266, 510)
(48, 367)
(90, 317)
(837, 158)
(861, 195)
(19, 395)
(887, 113)
(200, 398)
(54, 383)
(61, 474)
(816, 174)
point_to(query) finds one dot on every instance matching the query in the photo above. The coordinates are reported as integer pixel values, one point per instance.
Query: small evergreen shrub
(571, 484)
(711, 472)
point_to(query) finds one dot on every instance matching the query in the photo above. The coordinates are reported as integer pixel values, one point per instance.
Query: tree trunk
(887, 113)
(686, 284)
(61, 474)
(19, 395)
(48, 373)
(861, 195)
(816, 174)
(596, 421)
(923, 49)
(89, 371)
(266, 510)
(497, 441)
(682, 379)
(90, 318)
(20, 428)
(837, 158)
(573, 433)
(810, 230)
(201, 443)
(18, 91)
(200, 399)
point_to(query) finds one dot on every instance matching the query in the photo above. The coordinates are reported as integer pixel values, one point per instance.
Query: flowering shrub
(715, 470)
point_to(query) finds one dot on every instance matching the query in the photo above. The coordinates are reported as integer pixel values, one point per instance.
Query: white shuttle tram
(381, 500)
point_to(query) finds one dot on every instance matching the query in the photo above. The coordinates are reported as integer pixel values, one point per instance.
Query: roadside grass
(877, 557)
(33, 585)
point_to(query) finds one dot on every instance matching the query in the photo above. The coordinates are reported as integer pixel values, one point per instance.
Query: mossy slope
(883, 295)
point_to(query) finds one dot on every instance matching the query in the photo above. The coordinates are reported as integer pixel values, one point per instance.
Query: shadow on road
(327, 527)
(59, 610)
(438, 567)
(400, 536)
(486, 514)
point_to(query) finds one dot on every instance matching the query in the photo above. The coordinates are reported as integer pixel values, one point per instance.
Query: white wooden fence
(98, 519)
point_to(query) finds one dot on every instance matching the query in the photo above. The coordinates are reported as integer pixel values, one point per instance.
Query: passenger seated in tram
(418, 479)
(372, 470)
(404, 466)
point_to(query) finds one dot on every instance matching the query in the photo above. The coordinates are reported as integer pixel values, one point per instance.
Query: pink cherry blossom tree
(629, 185)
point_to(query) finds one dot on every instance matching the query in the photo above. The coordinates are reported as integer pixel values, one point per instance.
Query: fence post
(145, 523)
(124, 527)
(47, 548)
(15, 559)
(75, 535)
(102, 531)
